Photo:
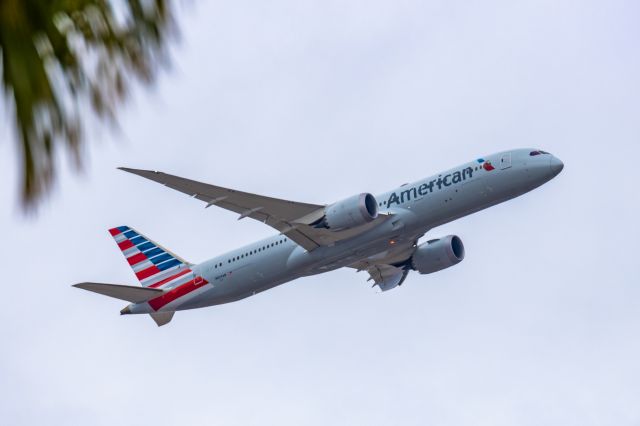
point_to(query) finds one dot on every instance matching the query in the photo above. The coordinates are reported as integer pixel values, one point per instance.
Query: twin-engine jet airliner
(376, 234)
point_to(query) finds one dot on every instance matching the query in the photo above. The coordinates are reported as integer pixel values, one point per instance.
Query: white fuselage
(416, 208)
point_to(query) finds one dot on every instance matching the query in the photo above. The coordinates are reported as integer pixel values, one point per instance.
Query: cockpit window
(539, 152)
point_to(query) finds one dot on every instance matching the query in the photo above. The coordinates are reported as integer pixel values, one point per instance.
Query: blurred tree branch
(61, 58)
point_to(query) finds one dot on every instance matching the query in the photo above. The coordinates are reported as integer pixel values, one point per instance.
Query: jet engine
(436, 255)
(349, 213)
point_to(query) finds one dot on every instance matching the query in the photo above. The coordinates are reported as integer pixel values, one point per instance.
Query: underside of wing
(397, 254)
(291, 218)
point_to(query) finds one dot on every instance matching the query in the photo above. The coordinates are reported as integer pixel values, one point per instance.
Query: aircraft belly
(368, 246)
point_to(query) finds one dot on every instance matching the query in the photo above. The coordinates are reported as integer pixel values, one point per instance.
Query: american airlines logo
(435, 184)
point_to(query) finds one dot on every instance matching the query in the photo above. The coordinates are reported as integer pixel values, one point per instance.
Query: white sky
(314, 101)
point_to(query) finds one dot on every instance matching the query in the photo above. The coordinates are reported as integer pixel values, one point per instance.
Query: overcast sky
(315, 101)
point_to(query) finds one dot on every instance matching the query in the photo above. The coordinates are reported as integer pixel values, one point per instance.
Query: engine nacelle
(436, 255)
(351, 212)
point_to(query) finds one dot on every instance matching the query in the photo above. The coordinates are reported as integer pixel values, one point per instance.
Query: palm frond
(61, 58)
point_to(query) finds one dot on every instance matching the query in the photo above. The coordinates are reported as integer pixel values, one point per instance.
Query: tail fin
(151, 263)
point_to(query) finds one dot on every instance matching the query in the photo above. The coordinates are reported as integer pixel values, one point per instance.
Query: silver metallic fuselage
(415, 210)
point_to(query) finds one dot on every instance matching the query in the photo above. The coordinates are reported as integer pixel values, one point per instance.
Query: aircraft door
(505, 161)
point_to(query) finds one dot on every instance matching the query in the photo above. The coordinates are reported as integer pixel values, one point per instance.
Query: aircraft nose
(555, 166)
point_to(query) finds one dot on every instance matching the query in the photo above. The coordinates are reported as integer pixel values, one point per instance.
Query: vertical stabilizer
(152, 264)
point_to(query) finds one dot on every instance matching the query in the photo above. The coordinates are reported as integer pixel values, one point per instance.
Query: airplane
(377, 234)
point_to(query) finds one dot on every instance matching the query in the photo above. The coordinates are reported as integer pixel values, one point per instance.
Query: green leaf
(62, 58)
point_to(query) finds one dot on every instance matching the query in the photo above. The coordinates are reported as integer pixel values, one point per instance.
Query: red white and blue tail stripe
(156, 267)
(152, 264)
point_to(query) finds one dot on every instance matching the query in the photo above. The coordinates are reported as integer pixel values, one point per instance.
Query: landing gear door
(505, 161)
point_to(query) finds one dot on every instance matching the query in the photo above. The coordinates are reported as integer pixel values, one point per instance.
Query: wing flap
(387, 276)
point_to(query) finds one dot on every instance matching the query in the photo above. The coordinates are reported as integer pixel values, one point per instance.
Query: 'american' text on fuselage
(427, 188)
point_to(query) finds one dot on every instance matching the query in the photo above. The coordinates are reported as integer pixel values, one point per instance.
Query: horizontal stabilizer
(122, 292)
(162, 318)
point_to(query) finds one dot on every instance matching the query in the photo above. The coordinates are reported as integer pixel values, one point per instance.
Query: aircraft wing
(291, 218)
